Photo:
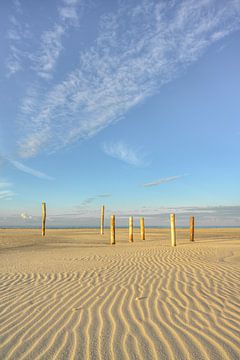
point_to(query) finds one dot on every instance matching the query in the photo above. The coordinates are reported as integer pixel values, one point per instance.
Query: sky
(130, 104)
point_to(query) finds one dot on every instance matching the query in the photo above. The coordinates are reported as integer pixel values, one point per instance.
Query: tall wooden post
(192, 228)
(142, 228)
(112, 229)
(173, 229)
(131, 229)
(102, 220)
(43, 218)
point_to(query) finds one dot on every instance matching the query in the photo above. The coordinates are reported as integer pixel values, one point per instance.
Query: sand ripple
(148, 303)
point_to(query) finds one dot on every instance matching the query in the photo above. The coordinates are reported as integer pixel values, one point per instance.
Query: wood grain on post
(131, 229)
(102, 220)
(192, 228)
(43, 218)
(142, 228)
(173, 229)
(112, 229)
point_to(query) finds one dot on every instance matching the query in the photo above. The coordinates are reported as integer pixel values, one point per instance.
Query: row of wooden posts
(142, 226)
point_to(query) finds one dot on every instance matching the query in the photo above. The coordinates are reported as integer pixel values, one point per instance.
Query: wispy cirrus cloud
(88, 201)
(26, 169)
(164, 180)
(17, 32)
(122, 68)
(4, 184)
(121, 151)
(5, 190)
(6, 194)
(44, 58)
(51, 44)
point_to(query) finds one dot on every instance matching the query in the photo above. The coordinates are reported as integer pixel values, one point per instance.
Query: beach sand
(71, 295)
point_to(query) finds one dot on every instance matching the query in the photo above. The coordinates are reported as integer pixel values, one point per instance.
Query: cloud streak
(26, 169)
(5, 192)
(164, 180)
(90, 200)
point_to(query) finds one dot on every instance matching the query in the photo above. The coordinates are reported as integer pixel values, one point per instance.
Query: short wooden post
(43, 218)
(131, 229)
(173, 229)
(142, 228)
(192, 228)
(112, 229)
(102, 220)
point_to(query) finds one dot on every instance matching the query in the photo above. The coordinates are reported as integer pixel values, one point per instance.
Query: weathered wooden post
(102, 220)
(112, 229)
(43, 218)
(142, 228)
(192, 228)
(131, 229)
(173, 229)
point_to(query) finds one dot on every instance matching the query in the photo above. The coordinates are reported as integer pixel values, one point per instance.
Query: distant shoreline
(119, 227)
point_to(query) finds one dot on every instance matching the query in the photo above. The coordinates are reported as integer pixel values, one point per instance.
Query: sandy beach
(71, 295)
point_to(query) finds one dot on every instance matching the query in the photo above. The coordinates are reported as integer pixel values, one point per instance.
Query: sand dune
(73, 296)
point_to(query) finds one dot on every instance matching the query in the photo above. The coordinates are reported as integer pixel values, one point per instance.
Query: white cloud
(163, 180)
(25, 216)
(68, 13)
(123, 152)
(18, 165)
(122, 68)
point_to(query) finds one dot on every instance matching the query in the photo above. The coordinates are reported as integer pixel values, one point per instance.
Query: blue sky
(134, 104)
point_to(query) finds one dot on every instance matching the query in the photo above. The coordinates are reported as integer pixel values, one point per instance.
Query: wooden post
(142, 228)
(130, 229)
(173, 229)
(102, 220)
(43, 218)
(192, 228)
(112, 229)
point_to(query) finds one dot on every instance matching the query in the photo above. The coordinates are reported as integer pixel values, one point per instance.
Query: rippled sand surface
(71, 295)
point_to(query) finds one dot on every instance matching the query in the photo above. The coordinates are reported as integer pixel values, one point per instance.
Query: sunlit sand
(72, 295)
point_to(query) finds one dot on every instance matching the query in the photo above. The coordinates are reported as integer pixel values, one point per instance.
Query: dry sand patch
(73, 296)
